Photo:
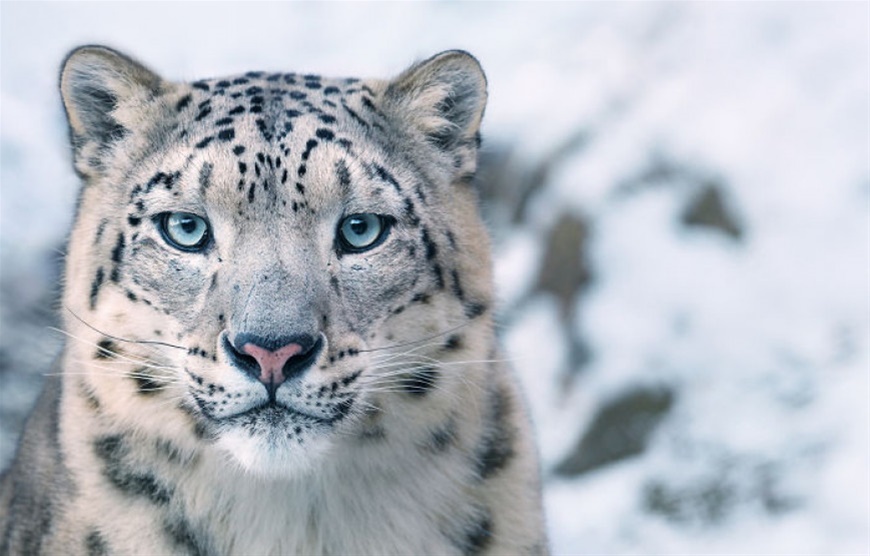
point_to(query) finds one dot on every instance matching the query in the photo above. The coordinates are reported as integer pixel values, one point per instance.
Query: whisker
(415, 342)
(151, 342)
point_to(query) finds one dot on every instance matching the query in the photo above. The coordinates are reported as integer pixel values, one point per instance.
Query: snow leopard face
(273, 262)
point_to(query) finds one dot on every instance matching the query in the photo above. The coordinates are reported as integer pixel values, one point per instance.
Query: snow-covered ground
(714, 159)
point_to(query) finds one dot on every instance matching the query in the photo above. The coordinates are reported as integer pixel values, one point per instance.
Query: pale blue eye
(184, 230)
(358, 232)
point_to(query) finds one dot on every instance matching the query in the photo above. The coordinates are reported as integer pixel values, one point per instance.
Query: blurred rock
(507, 182)
(708, 209)
(565, 270)
(722, 489)
(621, 429)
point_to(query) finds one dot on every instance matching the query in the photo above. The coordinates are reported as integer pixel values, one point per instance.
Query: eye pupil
(358, 226)
(188, 224)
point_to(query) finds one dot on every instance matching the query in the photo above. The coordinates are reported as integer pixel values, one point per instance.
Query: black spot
(411, 213)
(474, 309)
(223, 84)
(257, 100)
(343, 174)
(477, 536)
(264, 129)
(386, 176)
(496, 446)
(313, 84)
(238, 149)
(146, 385)
(251, 193)
(354, 115)
(182, 535)
(309, 146)
(203, 113)
(331, 90)
(243, 167)
(453, 343)
(205, 175)
(300, 188)
(350, 378)
(118, 250)
(95, 286)
(443, 437)
(117, 257)
(236, 110)
(183, 102)
(301, 170)
(297, 95)
(204, 143)
(420, 382)
(439, 276)
(95, 544)
(227, 134)
(250, 91)
(292, 113)
(201, 86)
(133, 220)
(457, 285)
(106, 349)
(431, 248)
(114, 452)
(325, 134)
(367, 102)
(326, 118)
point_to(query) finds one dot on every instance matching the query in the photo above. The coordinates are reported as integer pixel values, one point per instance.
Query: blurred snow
(629, 111)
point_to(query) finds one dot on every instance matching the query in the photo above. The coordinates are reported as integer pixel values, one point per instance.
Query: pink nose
(271, 362)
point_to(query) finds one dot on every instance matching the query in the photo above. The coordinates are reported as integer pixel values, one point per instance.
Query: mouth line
(259, 411)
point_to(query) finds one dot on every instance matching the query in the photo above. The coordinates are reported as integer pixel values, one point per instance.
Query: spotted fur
(399, 432)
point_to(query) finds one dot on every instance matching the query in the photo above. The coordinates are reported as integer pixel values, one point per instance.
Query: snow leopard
(278, 317)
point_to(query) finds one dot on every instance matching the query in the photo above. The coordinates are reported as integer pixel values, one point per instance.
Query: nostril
(242, 360)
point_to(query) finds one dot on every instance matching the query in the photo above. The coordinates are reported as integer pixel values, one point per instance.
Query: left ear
(443, 99)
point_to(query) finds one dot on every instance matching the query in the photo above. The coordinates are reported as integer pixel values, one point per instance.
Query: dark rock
(718, 491)
(708, 209)
(565, 270)
(621, 429)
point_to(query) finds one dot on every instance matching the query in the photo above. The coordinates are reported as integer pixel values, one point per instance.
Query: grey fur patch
(496, 447)
(443, 437)
(38, 481)
(95, 544)
(476, 535)
(114, 452)
(184, 537)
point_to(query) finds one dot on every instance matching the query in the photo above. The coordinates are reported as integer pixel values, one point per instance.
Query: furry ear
(94, 82)
(442, 97)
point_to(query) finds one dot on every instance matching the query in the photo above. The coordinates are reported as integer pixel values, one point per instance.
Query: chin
(273, 454)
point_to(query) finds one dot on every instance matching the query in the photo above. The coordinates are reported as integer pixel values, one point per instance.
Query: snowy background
(680, 199)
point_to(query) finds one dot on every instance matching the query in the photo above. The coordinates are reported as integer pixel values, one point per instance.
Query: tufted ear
(442, 97)
(95, 81)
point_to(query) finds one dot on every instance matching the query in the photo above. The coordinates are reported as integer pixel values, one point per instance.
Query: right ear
(97, 85)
